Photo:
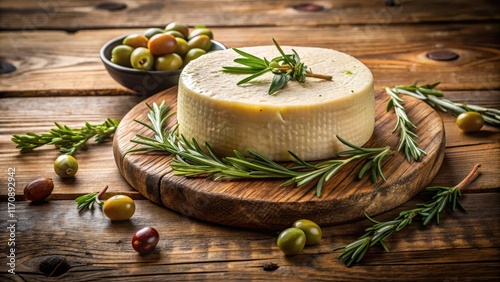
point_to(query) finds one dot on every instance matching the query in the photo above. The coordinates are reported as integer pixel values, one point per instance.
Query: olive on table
(120, 55)
(168, 62)
(38, 189)
(142, 59)
(119, 207)
(145, 240)
(470, 121)
(65, 166)
(135, 40)
(291, 241)
(311, 230)
(180, 27)
(161, 44)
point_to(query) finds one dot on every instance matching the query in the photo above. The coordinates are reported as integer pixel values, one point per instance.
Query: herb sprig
(67, 139)
(379, 231)
(407, 137)
(191, 160)
(434, 97)
(285, 68)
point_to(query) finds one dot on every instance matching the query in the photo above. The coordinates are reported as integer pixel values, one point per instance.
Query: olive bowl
(140, 81)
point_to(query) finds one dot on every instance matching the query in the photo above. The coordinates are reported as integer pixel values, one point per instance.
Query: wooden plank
(98, 166)
(71, 16)
(69, 64)
(462, 246)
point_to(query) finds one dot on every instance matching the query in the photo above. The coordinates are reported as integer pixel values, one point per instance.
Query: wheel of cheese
(303, 118)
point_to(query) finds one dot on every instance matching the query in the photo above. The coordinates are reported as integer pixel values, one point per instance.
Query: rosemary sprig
(191, 160)
(434, 97)
(407, 137)
(285, 68)
(67, 139)
(379, 231)
(88, 200)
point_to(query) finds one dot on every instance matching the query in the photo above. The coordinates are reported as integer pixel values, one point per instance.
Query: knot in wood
(442, 55)
(309, 7)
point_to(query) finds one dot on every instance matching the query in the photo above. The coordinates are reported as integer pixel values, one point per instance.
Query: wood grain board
(264, 204)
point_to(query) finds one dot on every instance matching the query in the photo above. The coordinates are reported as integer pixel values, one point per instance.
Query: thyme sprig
(191, 160)
(407, 137)
(434, 97)
(379, 231)
(67, 140)
(285, 68)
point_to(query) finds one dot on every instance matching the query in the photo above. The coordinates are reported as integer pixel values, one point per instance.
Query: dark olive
(65, 166)
(311, 229)
(145, 240)
(470, 121)
(38, 189)
(291, 241)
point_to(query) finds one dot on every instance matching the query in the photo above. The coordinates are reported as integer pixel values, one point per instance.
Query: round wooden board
(263, 204)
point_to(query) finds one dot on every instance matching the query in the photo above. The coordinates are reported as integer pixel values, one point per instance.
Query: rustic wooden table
(52, 48)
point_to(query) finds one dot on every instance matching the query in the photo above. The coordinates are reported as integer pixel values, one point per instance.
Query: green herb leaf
(285, 68)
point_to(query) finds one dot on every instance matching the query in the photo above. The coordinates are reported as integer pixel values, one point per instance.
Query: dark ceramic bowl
(143, 82)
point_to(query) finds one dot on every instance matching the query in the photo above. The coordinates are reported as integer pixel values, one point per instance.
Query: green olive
(291, 241)
(199, 31)
(120, 55)
(180, 27)
(142, 59)
(470, 121)
(182, 47)
(201, 41)
(175, 33)
(168, 62)
(311, 229)
(150, 32)
(193, 54)
(65, 166)
(119, 207)
(135, 40)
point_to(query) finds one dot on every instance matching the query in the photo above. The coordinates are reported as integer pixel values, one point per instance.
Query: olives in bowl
(152, 61)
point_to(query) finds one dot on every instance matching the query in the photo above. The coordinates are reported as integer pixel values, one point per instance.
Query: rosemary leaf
(285, 68)
(379, 231)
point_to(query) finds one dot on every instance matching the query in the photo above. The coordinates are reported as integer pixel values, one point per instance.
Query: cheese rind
(302, 118)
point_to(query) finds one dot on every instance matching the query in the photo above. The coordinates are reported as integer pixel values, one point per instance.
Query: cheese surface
(302, 117)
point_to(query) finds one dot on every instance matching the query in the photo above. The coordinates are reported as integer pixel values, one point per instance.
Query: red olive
(145, 240)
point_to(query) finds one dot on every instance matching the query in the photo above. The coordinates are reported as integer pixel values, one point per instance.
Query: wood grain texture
(69, 64)
(38, 114)
(263, 203)
(464, 246)
(72, 16)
